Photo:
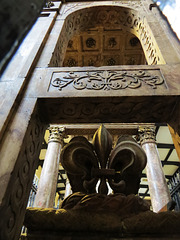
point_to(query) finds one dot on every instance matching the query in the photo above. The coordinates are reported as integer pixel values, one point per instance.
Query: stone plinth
(129, 218)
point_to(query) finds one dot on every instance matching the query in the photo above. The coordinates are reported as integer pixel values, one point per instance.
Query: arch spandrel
(114, 17)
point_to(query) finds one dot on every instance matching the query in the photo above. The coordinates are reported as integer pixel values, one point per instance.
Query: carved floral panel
(106, 80)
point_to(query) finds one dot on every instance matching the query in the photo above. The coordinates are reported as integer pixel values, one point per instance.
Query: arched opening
(126, 27)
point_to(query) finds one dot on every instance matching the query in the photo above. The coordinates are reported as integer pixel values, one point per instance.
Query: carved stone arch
(116, 17)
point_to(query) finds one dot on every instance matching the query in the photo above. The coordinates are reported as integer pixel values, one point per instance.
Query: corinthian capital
(147, 134)
(57, 134)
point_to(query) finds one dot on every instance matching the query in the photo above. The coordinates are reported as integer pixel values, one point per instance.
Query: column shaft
(48, 181)
(158, 188)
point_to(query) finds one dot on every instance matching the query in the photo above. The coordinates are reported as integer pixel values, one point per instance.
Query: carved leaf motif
(81, 150)
(102, 142)
(106, 74)
(79, 83)
(128, 159)
(78, 158)
(149, 79)
(61, 83)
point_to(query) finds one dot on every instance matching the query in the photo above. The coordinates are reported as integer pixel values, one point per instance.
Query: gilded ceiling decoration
(102, 36)
(102, 47)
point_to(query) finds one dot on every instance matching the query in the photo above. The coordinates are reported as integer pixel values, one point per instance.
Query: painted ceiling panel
(102, 47)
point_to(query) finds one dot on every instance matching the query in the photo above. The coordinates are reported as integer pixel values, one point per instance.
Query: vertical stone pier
(48, 181)
(158, 188)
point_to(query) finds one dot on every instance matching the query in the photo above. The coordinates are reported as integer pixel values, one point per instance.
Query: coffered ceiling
(104, 47)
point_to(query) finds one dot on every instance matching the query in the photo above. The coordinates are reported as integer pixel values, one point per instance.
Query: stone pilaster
(158, 188)
(48, 181)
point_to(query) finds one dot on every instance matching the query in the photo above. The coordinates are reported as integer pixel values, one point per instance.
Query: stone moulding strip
(107, 80)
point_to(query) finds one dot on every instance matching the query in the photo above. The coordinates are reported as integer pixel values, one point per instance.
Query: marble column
(48, 181)
(158, 188)
(68, 190)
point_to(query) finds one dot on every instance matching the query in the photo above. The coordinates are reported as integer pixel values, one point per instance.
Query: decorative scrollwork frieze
(106, 80)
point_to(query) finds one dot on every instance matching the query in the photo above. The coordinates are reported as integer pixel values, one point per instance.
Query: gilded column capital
(57, 134)
(147, 134)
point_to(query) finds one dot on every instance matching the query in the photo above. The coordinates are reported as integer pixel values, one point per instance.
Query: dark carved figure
(112, 42)
(87, 163)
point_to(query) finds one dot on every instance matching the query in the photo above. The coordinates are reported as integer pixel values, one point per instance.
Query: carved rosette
(147, 134)
(90, 43)
(57, 134)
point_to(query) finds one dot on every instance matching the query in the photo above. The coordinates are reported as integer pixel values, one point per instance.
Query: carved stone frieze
(70, 7)
(107, 80)
(107, 110)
